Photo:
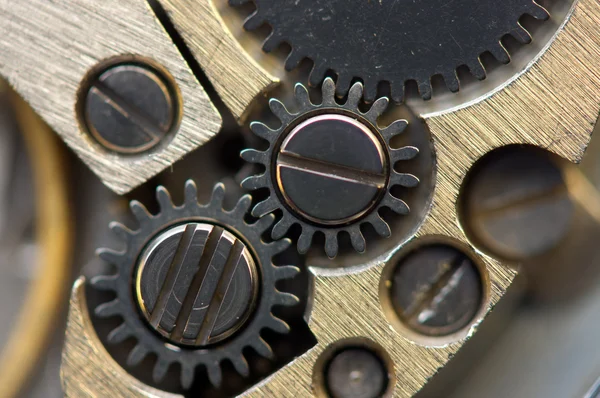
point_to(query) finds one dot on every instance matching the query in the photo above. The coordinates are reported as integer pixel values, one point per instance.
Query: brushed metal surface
(554, 104)
(46, 49)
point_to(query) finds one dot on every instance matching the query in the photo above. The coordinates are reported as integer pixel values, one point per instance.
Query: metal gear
(206, 354)
(329, 168)
(392, 41)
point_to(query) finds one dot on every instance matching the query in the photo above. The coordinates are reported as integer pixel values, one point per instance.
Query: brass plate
(236, 76)
(49, 46)
(85, 358)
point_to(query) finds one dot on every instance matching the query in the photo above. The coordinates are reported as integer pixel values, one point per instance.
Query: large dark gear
(195, 285)
(392, 41)
(330, 168)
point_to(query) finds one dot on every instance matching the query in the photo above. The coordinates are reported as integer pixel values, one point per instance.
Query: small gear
(392, 41)
(329, 167)
(203, 280)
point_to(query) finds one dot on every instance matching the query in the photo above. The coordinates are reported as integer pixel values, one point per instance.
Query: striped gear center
(196, 284)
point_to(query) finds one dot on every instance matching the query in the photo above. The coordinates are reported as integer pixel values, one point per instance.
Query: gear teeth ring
(390, 47)
(384, 178)
(125, 306)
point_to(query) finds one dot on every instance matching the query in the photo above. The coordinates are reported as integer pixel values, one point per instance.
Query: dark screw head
(331, 169)
(356, 373)
(129, 108)
(516, 203)
(436, 290)
(196, 284)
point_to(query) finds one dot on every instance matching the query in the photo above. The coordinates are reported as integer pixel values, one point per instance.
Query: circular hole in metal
(434, 291)
(129, 105)
(354, 368)
(515, 204)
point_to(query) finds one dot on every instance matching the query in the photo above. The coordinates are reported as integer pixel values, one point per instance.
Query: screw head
(331, 169)
(516, 203)
(129, 108)
(436, 290)
(196, 284)
(356, 373)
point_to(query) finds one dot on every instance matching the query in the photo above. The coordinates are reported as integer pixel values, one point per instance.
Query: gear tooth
(476, 68)
(358, 240)
(187, 376)
(191, 193)
(277, 325)
(110, 256)
(280, 245)
(354, 96)
(278, 108)
(286, 299)
(328, 90)
(242, 206)
(262, 348)
(120, 334)
(281, 228)
(105, 282)
(302, 96)
(317, 74)
(520, 34)
(451, 81)
(404, 153)
(264, 222)
(263, 131)
(342, 85)
(121, 231)
(398, 91)
(137, 355)
(394, 129)
(241, 365)
(254, 21)
(253, 183)
(396, 205)
(305, 239)
(377, 109)
(404, 180)
(109, 309)
(500, 53)
(331, 244)
(215, 375)
(164, 198)
(218, 195)
(381, 227)
(538, 12)
(425, 89)
(160, 370)
(293, 59)
(272, 42)
(254, 156)
(265, 207)
(286, 272)
(141, 214)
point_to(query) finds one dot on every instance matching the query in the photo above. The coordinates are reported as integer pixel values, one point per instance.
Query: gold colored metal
(54, 234)
(553, 103)
(236, 76)
(87, 368)
(49, 46)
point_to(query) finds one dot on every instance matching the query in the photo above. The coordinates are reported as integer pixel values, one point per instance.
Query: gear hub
(196, 284)
(392, 41)
(204, 283)
(330, 168)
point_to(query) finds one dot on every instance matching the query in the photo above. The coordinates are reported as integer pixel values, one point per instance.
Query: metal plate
(49, 47)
